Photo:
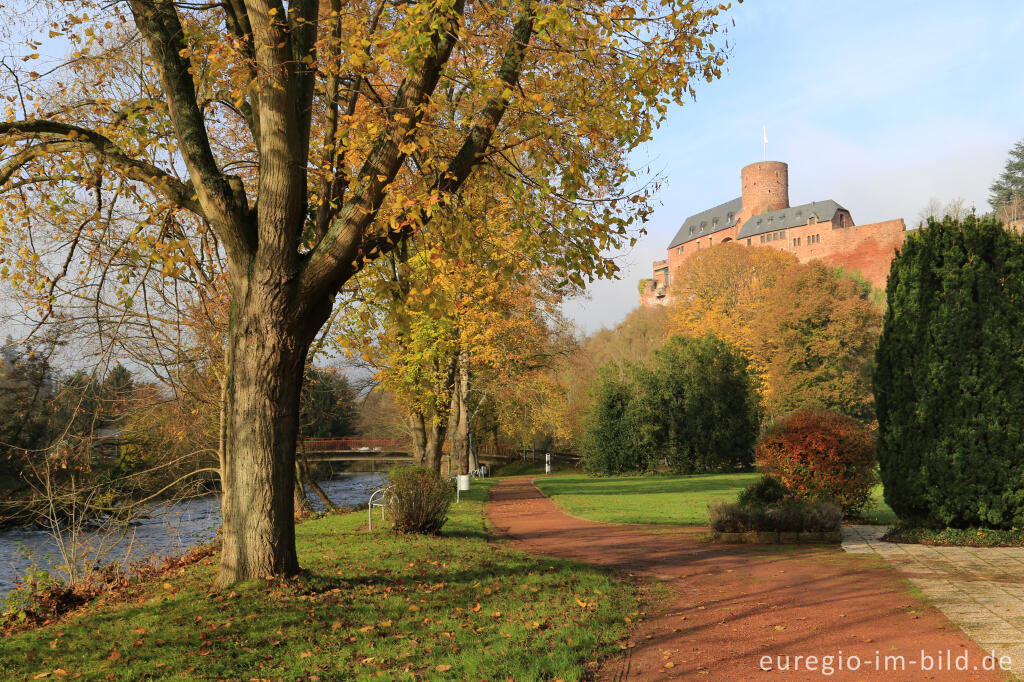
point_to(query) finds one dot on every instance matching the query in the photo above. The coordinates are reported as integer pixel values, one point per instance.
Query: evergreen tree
(949, 378)
(693, 405)
(610, 441)
(1009, 186)
(700, 397)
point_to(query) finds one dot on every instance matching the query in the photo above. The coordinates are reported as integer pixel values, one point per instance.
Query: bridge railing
(354, 444)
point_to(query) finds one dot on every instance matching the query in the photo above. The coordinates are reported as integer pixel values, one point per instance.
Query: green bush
(701, 401)
(729, 517)
(788, 516)
(419, 500)
(765, 491)
(949, 377)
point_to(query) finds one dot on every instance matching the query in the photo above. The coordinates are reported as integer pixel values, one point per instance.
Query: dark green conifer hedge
(949, 377)
(693, 406)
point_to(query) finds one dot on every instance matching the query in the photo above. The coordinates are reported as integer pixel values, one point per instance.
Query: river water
(165, 530)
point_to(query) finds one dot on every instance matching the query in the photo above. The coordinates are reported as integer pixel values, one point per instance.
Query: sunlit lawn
(643, 499)
(371, 605)
(659, 499)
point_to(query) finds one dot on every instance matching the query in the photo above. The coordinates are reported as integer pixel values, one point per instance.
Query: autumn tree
(808, 329)
(565, 384)
(286, 136)
(446, 336)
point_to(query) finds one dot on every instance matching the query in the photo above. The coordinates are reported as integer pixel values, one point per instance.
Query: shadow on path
(732, 605)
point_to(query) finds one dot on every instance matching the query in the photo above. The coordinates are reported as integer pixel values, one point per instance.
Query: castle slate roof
(786, 218)
(708, 222)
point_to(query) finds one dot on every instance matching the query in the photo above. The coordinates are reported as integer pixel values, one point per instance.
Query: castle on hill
(761, 216)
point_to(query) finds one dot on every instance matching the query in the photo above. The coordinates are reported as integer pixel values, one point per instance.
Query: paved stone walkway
(981, 589)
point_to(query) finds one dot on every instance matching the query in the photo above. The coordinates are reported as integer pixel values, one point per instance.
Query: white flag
(764, 130)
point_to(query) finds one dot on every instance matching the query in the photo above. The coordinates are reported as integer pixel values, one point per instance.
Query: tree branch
(367, 248)
(63, 137)
(337, 255)
(223, 199)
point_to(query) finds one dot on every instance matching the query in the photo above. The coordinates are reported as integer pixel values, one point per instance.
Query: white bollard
(461, 483)
(547, 463)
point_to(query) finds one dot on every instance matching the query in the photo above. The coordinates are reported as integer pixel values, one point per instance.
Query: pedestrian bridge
(355, 450)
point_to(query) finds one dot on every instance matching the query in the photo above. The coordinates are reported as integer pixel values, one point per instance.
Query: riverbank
(455, 607)
(165, 529)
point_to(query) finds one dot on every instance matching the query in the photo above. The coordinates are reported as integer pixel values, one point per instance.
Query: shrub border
(954, 537)
(779, 538)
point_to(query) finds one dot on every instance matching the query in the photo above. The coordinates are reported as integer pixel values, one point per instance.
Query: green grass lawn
(660, 499)
(370, 605)
(528, 468)
(878, 512)
(644, 499)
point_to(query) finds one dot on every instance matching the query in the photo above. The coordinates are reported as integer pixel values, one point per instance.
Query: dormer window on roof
(703, 224)
(714, 222)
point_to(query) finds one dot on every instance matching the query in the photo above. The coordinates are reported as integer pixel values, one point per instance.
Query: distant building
(762, 216)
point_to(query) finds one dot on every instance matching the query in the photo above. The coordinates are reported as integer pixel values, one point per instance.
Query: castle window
(842, 220)
(731, 216)
(714, 222)
(679, 250)
(748, 242)
(762, 239)
(812, 220)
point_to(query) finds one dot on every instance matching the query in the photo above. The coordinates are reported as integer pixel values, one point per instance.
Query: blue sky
(878, 105)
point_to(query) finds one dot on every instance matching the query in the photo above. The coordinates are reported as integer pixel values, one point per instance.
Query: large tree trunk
(417, 424)
(435, 442)
(459, 423)
(267, 354)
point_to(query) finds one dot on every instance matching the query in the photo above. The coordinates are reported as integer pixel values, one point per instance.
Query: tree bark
(417, 424)
(267, 351)
(459, 420)
(435, 442)
(302, 506)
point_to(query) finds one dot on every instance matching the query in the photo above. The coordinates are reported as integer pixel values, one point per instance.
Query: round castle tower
(765, 187)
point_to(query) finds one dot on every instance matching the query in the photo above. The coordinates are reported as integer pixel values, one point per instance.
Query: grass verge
(369, 605)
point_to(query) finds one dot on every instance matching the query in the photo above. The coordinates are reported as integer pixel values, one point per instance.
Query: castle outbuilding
(761, 216)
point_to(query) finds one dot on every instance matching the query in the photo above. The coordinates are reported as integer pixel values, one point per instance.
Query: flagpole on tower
(764, 133)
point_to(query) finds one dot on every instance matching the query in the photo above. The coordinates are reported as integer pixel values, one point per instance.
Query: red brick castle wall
(834, 239)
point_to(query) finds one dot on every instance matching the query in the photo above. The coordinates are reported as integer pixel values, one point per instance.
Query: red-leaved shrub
(821, 455)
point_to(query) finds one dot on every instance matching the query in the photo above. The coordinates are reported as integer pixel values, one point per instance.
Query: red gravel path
(731, 605)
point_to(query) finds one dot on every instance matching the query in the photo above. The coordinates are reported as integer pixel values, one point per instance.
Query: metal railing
(381, 497)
